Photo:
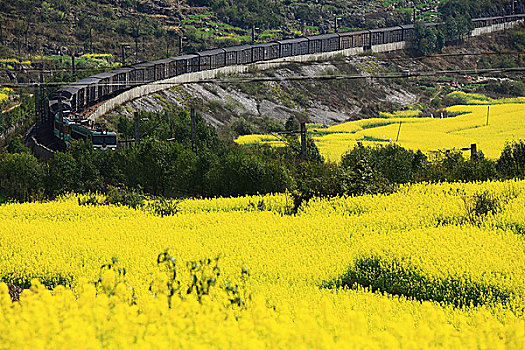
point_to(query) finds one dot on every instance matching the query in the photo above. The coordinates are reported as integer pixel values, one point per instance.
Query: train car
(265, 51)
(211, 59)
(231, 55)
(70, 98)
(62, 129)
(136, 75)
(350, 40)
(105, 85)
(241, 54)
(67, 130)
(408, 32)
(480, 22)
(172, 67)
(122, 79)
(183, 64)
(377, 36)
(323, 43)
(145, 73)
(161, 68)
(89, 89)
(194, 64)
(100, 139)
(293, 47)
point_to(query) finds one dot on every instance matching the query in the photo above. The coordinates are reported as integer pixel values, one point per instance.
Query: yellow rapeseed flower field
(420, 268)
(467, 125)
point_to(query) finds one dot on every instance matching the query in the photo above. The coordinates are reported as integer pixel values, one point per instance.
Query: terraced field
(423, 267)
(457, 127)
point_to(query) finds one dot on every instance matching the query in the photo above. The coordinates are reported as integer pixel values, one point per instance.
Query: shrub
(21, 176)
(396, 277)
(511, 163)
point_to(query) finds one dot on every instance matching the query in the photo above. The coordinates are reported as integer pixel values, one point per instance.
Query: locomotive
(78, 96)
(67, 130)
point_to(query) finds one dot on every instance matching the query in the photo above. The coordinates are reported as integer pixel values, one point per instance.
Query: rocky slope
(335, 101)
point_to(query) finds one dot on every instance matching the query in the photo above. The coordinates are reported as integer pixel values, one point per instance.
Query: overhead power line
(234, 80)
(314, 62)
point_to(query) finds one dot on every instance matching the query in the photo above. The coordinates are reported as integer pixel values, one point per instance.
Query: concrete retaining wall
(495, 28)
(109, 105)
(401, 45)
(39, 150)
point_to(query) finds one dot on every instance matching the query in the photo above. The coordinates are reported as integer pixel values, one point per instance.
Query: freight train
(78, 96)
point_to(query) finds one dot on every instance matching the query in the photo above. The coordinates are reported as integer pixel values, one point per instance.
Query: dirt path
(11, 108)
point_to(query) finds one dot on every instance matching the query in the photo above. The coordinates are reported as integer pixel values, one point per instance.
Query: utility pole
(167, 48)
(398, 131)
(193, 130)
(473, 152)
(136, 124)
(73, 70)
(37, 104)
(488, 113)
(253, 33)
(123, 52)
(180, 43)
(61, 116)
(304, 150)
(42, 111)
(336, 27)
(91, 39)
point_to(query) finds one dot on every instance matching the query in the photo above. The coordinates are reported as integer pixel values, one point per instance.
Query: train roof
(291, 41)
(322, 36)
(486, 18)
(210, 52)
(353, 33)
(104, 75)
(186, 57)
(265, 44)
(237, 48)
(70, 89)
(144, 65)
(407, 26)
(86, 81)
(124, 69)
(164, 60)
(387, 29)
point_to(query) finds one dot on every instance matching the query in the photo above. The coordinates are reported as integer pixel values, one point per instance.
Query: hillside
(260, 107)
(150, 28)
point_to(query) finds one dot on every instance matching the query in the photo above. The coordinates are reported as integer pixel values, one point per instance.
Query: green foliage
(162, 207)
(512, 160)
(482, 204)
(509, 88)
(398, 277)
(16, 146)
(242, 127)
(21, 176)
(427, 40)
(453, 166)
(244, 13)
(237, 172)
(203, 277)
(123, 196)
(391, 163)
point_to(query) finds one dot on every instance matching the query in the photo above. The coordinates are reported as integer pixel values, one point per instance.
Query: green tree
(62, 175)
(21, 176)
